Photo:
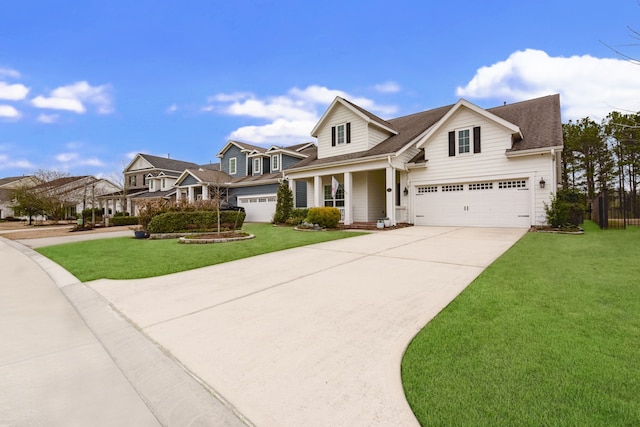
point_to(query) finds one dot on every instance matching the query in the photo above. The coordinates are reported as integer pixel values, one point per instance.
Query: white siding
(490, 164)
(360, 197)
(359, 134)
(376, 195)
(376, 136)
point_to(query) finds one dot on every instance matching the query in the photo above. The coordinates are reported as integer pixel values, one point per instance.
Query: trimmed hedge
(123, 220)
(180, 222)
(325, 217)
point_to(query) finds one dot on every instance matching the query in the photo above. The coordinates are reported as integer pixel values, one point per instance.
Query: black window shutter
(349, 133)
(333, 136)
(476, 139)
(452, 144)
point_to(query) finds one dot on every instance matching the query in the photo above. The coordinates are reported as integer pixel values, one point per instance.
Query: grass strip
(129, 258)
(547, 335)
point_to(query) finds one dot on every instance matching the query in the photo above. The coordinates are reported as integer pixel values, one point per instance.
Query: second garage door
(258, 208)
(477, 204)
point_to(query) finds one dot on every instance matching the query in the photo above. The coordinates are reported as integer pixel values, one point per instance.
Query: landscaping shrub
(325, 217)
(180, 222)
(566, 209)
(298, 216)
(123, 220)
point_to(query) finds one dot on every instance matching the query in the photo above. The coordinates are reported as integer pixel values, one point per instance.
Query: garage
(258, 208)
(504, 203)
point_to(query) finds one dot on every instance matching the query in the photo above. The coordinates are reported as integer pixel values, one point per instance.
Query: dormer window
(257, 166)
(233, 166)
(341, 134)
(275, 162)
(151, 181)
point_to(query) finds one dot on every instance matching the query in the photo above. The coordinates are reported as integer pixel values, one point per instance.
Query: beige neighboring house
(80, 192)
(457, 165)
(7, 186)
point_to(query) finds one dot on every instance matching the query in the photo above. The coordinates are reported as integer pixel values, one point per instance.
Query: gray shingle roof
(539, 120)
(168, 164)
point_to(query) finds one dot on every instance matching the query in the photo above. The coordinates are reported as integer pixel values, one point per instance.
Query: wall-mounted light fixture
(542, 182)
(406, 191)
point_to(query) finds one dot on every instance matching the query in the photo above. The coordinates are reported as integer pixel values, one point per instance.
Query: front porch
(363, 197)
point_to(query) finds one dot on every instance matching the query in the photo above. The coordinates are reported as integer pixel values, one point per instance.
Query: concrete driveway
(311, 336)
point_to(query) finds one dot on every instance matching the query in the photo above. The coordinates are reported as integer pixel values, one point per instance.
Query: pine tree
(284, 204)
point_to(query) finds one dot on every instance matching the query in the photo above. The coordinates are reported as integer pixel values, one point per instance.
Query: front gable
(233, 156)
(345, 128)
(465, 115)
(138, 163)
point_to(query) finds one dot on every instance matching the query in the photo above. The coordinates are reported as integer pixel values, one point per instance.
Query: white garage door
(478, 204)
(258, 208)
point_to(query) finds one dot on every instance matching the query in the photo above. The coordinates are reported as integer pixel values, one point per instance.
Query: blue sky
(85, 85)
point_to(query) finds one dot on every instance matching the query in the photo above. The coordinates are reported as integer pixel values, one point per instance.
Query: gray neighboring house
(149, 177)
(256, 173)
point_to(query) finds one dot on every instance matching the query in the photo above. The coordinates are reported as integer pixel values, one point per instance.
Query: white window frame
(342, 126)
(338, 202)
(469, 141)
(163, 184)
(151, 184)
(233, 166)
(275, 162)
(257, 165)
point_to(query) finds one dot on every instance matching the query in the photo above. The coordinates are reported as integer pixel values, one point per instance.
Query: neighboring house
(458, 165)
(7, 186)
(256, 173)
(77, 193)
(150, 177)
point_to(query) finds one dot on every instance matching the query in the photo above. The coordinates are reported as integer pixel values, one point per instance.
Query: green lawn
(547, 335)
(129, 258)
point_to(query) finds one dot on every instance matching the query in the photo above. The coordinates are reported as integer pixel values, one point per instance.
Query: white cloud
(7, 162)
(48, 118)
(73, 159)
(9, 112)
(74, 97)
(287, 118)
(171, 109)
(14, 92)
(8, 72)
(387, 87)
(588, 86)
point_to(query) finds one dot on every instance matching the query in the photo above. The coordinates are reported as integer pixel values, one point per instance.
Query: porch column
(191, 195)
(390, 189)
(318, 191)
(348, 198)
(205, 192)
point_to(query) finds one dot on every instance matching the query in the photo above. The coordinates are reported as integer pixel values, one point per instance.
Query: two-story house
(256, 172)
(149, 177)
(458, 165)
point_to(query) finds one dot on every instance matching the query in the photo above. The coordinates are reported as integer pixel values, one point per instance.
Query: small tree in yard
(566, 209)
(284, 204)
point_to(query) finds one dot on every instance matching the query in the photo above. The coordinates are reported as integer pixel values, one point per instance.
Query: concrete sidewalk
(68, 359)
(311, 336)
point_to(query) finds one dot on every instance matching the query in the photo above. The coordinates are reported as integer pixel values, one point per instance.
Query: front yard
(129, 258)
(547, 335)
